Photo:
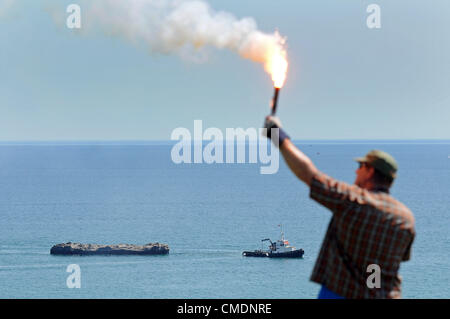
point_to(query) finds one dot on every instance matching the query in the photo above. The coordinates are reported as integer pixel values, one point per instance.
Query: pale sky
(345, 81)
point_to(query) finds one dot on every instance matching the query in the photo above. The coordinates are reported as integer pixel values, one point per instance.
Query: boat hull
(289, 254)
(298, 253)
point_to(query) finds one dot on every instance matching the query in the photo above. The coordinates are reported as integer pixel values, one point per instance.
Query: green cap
(381, 161)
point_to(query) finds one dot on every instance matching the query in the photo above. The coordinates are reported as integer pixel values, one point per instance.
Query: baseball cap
(381, 161)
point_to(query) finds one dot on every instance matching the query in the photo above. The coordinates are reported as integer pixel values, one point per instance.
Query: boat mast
(282, 234)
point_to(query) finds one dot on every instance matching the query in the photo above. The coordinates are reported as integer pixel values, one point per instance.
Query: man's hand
(273, 122)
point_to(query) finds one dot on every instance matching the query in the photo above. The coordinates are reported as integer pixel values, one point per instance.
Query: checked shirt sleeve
(333, 194)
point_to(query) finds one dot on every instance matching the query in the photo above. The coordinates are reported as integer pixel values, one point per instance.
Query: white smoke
(171, 26)
(168, 26)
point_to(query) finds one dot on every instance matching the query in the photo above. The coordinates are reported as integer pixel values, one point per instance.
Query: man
(368, 226)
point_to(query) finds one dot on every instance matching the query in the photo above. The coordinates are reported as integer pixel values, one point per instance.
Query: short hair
(382, 179)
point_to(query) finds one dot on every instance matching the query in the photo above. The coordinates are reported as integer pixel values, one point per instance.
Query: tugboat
(278, 249)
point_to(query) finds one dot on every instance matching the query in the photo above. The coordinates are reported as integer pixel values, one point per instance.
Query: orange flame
(277, 66)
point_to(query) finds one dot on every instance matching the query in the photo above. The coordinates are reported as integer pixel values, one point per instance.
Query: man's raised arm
(300, 164)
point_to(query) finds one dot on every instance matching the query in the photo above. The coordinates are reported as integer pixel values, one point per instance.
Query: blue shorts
(325, 293)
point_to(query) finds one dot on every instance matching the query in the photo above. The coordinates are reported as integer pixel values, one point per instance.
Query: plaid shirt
(367, 227)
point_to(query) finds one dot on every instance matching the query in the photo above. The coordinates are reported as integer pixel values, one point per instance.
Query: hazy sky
(345, 80)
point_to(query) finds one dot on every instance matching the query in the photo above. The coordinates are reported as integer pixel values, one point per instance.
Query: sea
(208, 214)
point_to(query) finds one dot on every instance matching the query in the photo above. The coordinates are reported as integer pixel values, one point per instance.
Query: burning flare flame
(277, 66)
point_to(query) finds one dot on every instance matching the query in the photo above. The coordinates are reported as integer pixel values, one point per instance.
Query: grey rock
(120, 249)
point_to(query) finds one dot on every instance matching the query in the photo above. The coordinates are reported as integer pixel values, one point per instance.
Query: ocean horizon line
(171, 142)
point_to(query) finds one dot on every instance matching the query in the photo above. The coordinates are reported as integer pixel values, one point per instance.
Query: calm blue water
(208, 214)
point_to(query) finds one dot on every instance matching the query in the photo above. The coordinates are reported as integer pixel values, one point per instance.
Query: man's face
(363, 174)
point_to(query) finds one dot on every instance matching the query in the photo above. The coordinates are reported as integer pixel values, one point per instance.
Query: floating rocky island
(120, 249)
